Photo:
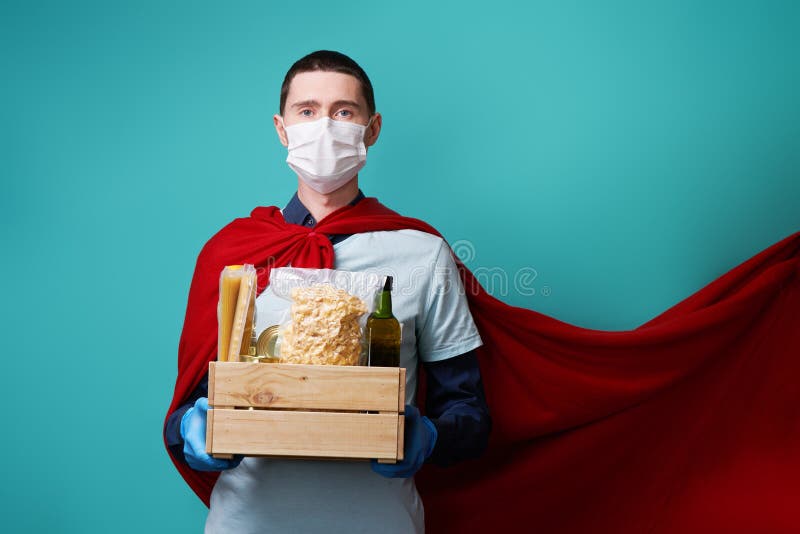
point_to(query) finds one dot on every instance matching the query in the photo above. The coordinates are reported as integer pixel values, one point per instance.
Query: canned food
(267, 345)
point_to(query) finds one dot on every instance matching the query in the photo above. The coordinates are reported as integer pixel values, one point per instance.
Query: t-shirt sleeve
(447, 328)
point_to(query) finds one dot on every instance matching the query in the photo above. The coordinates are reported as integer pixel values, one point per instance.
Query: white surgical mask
(326, 154)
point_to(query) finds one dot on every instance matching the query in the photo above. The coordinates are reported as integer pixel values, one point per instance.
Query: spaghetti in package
(329, 308)
(237, 304)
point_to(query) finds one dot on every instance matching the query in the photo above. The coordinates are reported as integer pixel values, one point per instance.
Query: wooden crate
(308, 411)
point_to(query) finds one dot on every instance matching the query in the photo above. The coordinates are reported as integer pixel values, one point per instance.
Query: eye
(306, 113)
(344, 113)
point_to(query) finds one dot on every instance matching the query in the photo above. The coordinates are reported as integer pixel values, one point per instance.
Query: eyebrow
(306, 104)
(350, 103)
(315, 104)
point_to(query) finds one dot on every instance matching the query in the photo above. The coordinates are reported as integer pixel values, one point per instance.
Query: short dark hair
(330, 61)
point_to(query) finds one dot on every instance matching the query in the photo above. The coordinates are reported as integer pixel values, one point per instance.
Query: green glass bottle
(383, 331)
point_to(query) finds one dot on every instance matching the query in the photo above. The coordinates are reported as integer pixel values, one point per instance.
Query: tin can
(267, 346)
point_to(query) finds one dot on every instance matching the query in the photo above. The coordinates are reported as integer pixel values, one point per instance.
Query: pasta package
(327, 315)
(237, 294)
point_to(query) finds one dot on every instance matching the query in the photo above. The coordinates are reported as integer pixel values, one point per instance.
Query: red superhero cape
(688, 423)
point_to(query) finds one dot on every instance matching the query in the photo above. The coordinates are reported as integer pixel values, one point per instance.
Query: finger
(185, 422)
(398, 470)
(194, 448)
(219, 464)
(205, 462)
(382, 469)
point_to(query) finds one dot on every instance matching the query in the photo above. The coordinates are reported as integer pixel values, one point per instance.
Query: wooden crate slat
(310, 434)
(401, 397)
(211, 380)
(401, 428)
(313, 387)
(209, 434)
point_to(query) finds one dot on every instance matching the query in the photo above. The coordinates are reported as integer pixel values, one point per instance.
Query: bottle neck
(384, 309)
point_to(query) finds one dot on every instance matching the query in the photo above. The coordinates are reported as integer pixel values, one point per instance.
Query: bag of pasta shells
(327, 314)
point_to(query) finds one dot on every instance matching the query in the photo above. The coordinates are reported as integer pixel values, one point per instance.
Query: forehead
(324, 86)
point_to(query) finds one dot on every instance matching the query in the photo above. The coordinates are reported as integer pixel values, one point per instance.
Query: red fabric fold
(690, 422)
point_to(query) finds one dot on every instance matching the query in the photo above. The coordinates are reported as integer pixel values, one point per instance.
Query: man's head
(327, 84)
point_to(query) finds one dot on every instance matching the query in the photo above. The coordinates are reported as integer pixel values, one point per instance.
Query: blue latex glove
(193, 431)
(419, 438)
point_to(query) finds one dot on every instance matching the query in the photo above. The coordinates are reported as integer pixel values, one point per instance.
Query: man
(327, 120)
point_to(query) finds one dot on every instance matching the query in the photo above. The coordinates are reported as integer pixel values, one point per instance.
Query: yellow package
(237, 294)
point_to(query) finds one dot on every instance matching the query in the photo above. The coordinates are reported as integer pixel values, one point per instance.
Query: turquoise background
(630, 152)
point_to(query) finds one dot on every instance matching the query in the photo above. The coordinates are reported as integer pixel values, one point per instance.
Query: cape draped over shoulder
(689, 422)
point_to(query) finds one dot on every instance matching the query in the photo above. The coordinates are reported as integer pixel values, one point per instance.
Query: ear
(277, 120)
(374, 130)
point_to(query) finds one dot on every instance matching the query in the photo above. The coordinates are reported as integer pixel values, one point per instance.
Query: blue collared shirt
(455, 401)
(296, 213)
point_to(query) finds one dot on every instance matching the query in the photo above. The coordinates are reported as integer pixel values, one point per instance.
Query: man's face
(318, 94)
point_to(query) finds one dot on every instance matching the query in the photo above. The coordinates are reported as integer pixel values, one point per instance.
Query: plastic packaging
(237, 298)
(325, 324)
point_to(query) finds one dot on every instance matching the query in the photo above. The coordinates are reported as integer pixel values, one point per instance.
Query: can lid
(267, 340)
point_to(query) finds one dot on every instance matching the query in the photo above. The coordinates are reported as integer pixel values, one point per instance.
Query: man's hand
(193, 431)
(420, 438)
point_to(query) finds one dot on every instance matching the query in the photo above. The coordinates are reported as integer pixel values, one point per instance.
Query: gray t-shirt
(276, 496)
